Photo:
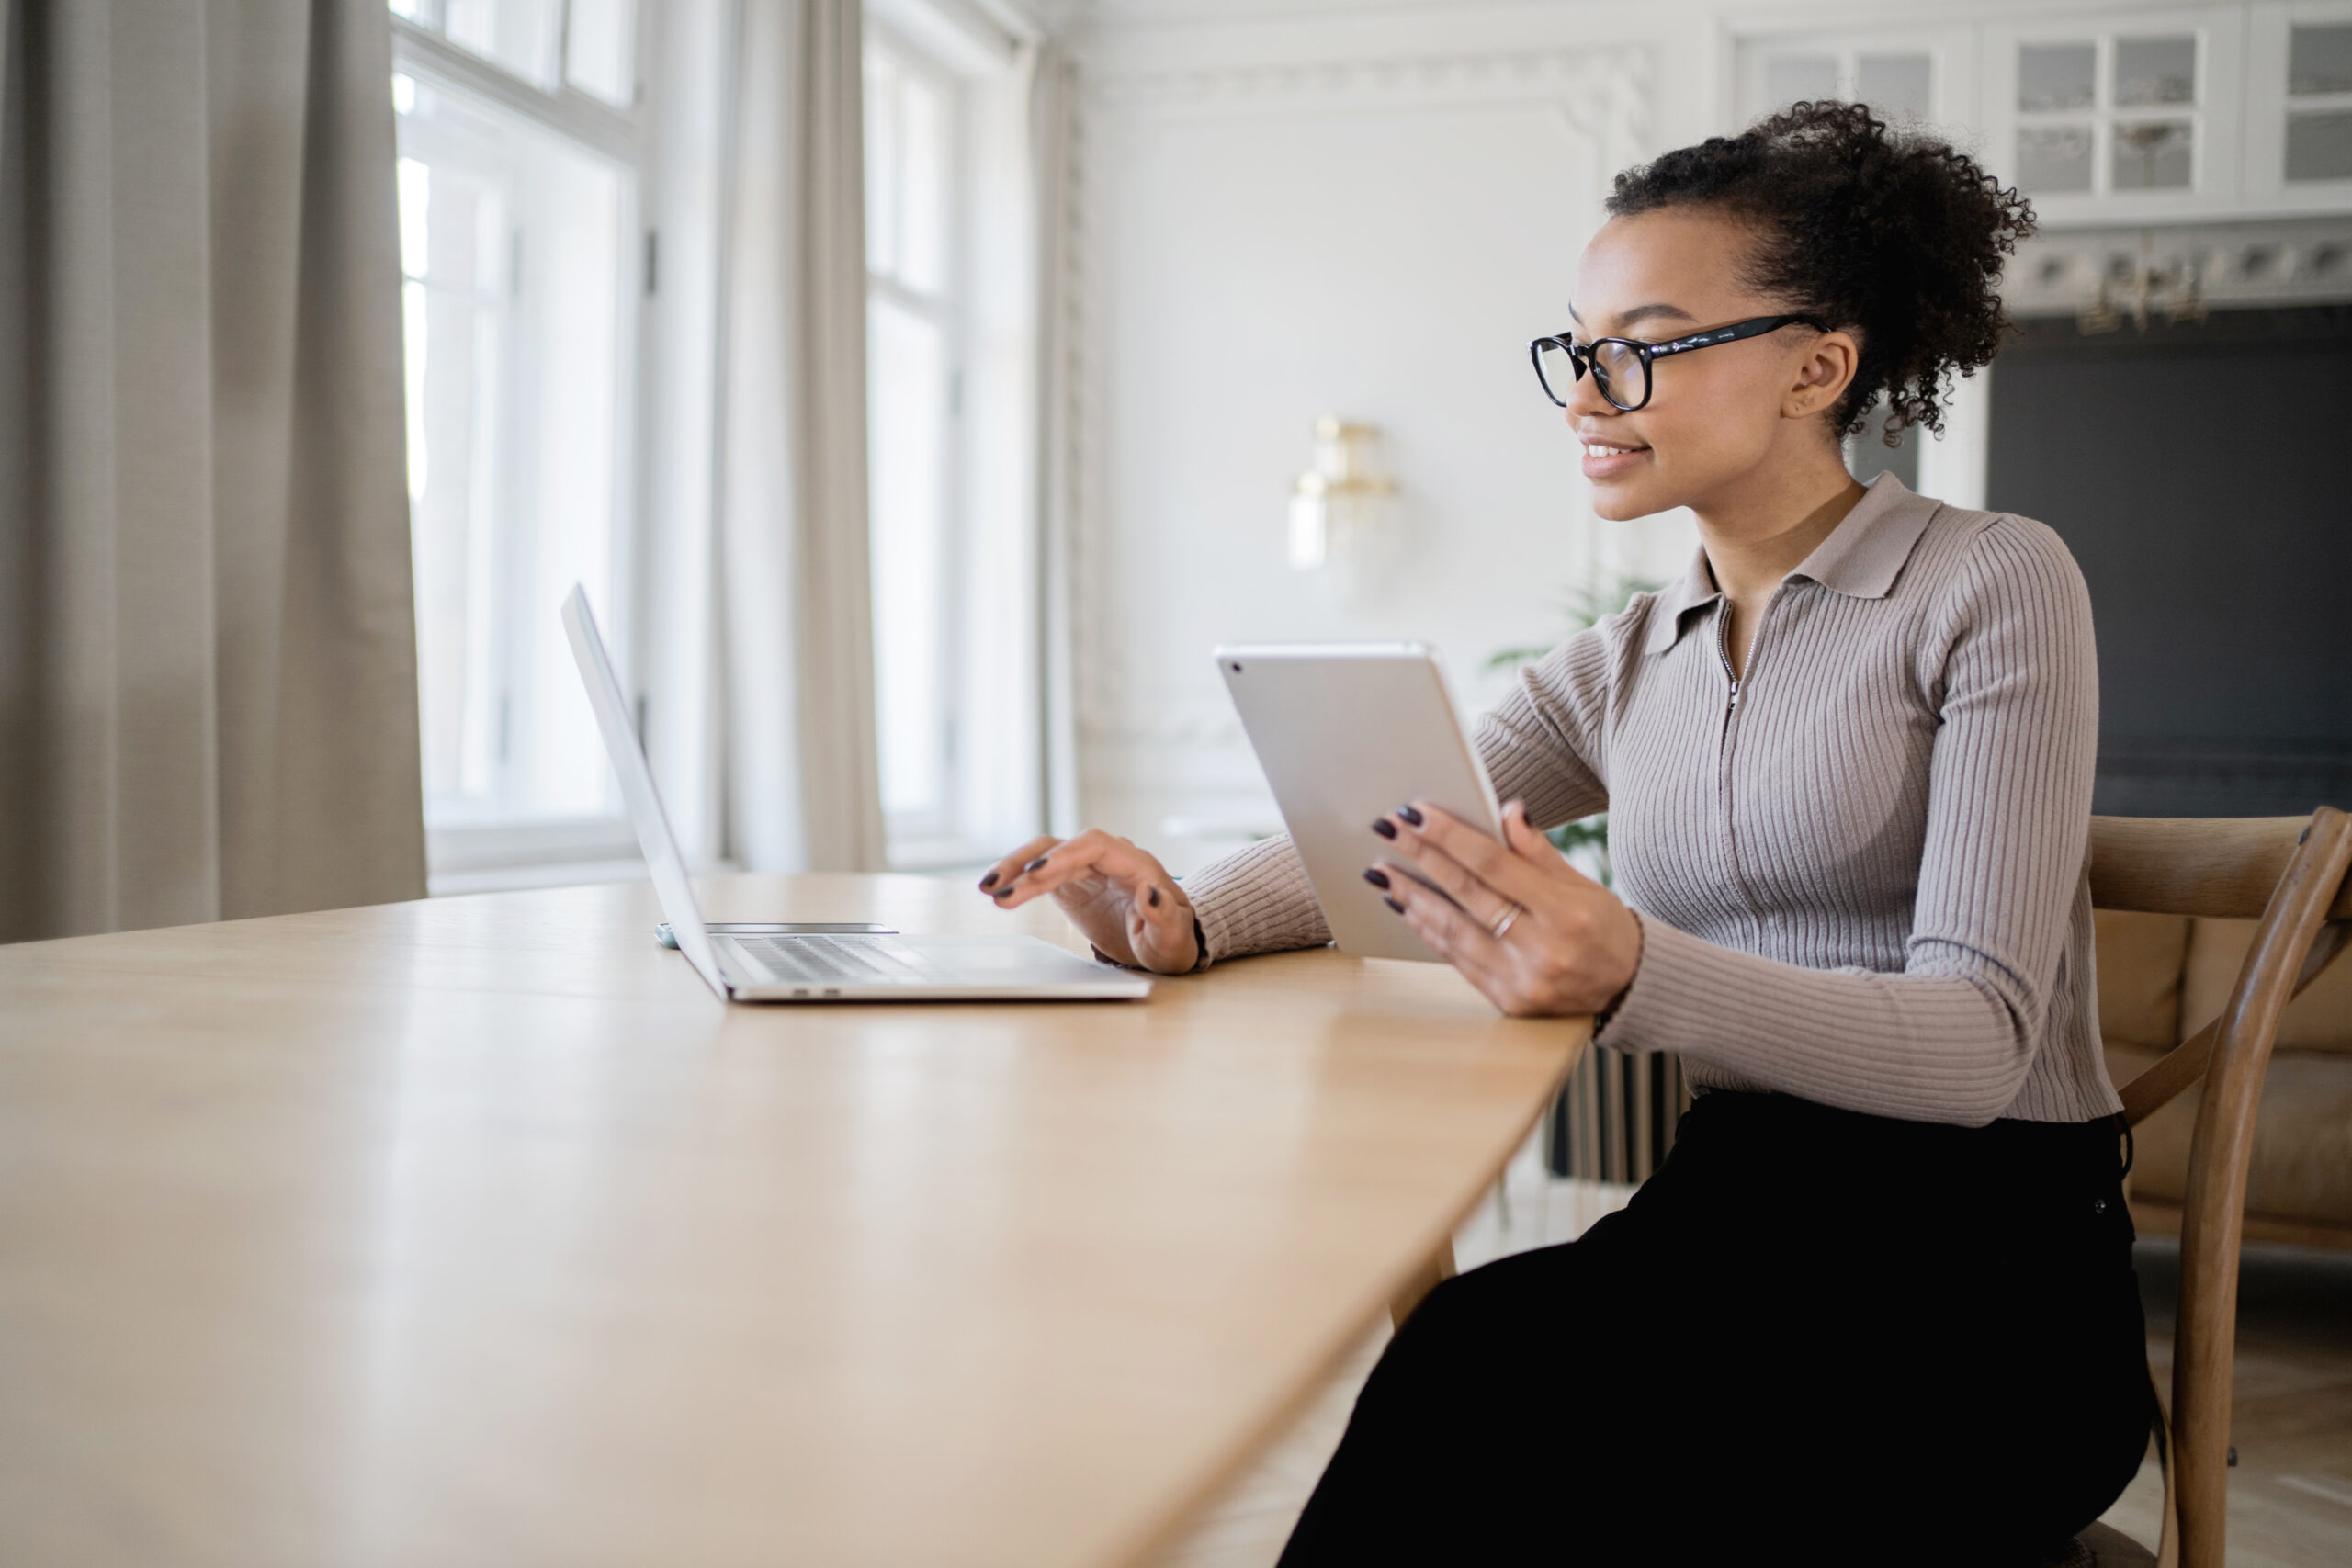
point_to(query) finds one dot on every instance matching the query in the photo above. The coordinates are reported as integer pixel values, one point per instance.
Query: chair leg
(1431, 1274)
(2168, 1516)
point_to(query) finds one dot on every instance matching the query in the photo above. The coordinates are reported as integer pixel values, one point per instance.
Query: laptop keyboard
(831, 960)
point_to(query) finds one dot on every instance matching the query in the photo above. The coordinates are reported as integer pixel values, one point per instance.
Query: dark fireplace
(2202, 474)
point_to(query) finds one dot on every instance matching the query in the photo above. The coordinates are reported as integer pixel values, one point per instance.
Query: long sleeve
(2009, 659)
(1543, 744)
(1256, 900)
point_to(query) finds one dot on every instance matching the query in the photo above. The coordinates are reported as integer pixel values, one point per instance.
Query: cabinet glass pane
(1799, 78)
(2154, 156)
(2057, 76)
(1896, 84)
(2156, 71)
(2319, 60)
(2319, 146)
(2054, 157)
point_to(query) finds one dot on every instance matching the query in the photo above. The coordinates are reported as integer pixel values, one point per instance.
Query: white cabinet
(2104, 114)
(2299, 105)
(1925, 75)
(2109, 117)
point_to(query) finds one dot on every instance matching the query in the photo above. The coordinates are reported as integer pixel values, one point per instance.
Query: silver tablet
(1345, 732)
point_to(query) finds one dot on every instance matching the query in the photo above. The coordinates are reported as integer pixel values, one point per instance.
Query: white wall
(1262, 239)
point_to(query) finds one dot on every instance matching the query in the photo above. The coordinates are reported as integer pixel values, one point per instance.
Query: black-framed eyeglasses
(1621, 366)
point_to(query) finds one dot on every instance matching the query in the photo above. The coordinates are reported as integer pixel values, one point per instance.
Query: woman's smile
(1605, 460)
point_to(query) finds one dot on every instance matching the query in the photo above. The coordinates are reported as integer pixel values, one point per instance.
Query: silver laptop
(784, 962)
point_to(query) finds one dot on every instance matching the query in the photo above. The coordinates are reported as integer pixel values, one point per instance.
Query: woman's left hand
(1570, 948)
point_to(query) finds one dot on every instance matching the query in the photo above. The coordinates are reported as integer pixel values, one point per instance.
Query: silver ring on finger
(1501, 928)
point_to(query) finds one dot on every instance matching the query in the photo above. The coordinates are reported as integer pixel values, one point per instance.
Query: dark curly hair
(1893, 235)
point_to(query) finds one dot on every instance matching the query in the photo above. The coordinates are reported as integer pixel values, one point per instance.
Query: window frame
(947, 837)
(512, 851)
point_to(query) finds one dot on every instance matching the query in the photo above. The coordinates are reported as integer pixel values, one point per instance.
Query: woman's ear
(1823, 375)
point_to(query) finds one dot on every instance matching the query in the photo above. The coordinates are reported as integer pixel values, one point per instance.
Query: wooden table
(478, 1232)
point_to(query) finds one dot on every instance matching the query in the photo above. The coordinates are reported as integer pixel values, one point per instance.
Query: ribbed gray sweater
(1859, 869)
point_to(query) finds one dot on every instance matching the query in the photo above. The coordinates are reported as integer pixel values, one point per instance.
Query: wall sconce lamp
(1336, 505)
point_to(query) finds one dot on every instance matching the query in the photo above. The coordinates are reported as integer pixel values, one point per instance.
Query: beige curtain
(803, 790)
(207, 674)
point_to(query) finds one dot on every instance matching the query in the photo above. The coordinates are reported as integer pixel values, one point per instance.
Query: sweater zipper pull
(1734, 698)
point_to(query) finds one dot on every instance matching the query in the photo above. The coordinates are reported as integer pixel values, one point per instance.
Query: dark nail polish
(1384, 828)
(1034, 864)
(988, 882)
(1392, 903)
(1001, 893)
(1410, 814)
(1376, 876)
(1155, 897)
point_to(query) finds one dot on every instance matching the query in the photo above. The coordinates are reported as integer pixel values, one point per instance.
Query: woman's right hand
(1119, 897)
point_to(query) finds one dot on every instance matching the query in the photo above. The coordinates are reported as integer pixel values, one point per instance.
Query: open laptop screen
(653, 824)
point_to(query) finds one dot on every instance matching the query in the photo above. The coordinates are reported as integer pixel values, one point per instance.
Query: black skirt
(1814, 1334)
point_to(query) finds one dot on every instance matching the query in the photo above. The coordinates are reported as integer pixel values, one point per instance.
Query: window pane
(600, 50)
(1800, 78)
(881, 163)
(2154, 156)
(2319, 60)
(907, 411)
(2319, 146)
(2156, 71)
(2054, 158)
(1896, 84)
(514, 244)
(518, 34)
(2057, 76)
(922, 128)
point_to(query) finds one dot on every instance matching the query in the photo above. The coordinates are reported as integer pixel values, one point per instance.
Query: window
(914, 378)
(523, 267)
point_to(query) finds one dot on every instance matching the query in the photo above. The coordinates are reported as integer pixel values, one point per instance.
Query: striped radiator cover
(1615, 1120)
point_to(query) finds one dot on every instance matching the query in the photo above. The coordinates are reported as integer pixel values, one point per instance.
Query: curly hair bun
(1894, 235)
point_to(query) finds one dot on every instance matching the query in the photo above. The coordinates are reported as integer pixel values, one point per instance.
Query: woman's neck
(1759, 534)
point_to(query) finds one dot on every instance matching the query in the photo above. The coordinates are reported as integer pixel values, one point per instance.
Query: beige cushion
(2301, 1166)
(2320, 1019)
(2139, 962)
(2110, 1548)
(2100, 1546)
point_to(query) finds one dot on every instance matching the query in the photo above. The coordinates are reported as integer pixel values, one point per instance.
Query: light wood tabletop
(477, 1231)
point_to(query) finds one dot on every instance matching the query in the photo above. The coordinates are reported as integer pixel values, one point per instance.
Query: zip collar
(1862, 559)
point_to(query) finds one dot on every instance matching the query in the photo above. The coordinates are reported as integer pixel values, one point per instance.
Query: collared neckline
(1860, 559)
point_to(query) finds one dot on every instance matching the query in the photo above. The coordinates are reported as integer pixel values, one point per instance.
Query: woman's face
(1718, 415)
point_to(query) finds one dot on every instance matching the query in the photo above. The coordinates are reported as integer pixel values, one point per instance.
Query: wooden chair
(2290, 872)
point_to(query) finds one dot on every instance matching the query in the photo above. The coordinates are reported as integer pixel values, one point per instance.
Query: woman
(1878, 1304)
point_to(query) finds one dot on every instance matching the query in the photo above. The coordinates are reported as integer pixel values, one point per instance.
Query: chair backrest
(2291, 873)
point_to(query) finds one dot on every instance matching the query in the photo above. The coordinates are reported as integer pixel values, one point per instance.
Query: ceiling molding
(1605, 91)
(2247, 265)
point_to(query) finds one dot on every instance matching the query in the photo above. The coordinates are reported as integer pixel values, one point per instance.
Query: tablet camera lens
(1237, 670)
